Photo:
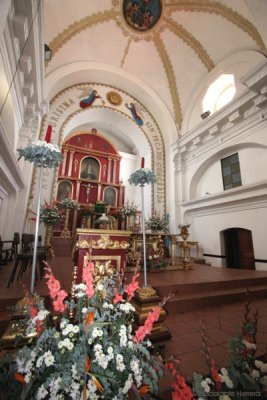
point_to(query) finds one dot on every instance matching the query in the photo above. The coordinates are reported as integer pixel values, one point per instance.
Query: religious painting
(64, 190)
(89, 169)
(110, 196)
(142, 15)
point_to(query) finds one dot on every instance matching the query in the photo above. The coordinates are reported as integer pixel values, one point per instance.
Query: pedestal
(144, 301)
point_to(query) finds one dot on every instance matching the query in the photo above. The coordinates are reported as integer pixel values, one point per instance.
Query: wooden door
(239, 248)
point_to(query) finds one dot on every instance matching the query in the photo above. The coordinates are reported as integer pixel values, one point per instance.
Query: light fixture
(47, 53)
(206, 114)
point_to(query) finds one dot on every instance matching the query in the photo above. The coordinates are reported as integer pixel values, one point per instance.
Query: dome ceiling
(167, 46)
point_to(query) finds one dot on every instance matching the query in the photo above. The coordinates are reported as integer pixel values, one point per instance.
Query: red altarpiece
(90, 174)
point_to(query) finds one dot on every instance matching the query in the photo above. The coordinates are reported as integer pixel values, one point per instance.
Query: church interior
(175, 89)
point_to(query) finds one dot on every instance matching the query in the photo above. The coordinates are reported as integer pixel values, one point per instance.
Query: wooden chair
(9, 249)
(24, 259)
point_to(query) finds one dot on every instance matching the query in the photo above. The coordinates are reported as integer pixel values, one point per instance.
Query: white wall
(240, 127)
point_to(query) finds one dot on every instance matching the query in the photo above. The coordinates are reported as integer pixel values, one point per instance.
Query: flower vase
(65, 234)
(48, 245)
(130, 220)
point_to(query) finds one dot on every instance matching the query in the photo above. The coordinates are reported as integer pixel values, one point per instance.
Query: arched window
(219, 93)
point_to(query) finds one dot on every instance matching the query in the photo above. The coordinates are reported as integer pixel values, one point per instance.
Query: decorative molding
(213, 7)
(79, 26)
(192, 42)
(171, 78)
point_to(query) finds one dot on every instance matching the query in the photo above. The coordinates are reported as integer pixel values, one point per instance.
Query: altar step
(62, 247)
(188, 297)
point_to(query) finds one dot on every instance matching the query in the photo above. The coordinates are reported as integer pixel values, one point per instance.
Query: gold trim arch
(65, 106)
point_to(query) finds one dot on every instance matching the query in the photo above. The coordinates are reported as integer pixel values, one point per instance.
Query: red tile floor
(220, 322)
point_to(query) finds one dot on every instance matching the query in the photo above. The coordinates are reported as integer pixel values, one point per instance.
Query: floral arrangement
(129, 209)
(183, 226)
(69, 203)
(156, 223)
(42, 153)
(86, 211)
(50, 214)
(142, 177)
(94, 354)
(245, 374)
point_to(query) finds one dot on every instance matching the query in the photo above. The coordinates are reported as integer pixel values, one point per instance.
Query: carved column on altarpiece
(99, 192)
(121, 195)
(78, 188)
(70, 162)
(109, 170)
(65, 158)
(114, 171)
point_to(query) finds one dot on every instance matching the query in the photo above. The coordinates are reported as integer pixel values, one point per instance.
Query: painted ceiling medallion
(114, 98)
(142, 15)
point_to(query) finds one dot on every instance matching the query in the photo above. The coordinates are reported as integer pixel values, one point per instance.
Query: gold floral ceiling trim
(192, 42)
(79, 26)
(170, 76)
(213, 7)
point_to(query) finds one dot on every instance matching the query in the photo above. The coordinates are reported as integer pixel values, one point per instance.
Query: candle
(48, 134)
(142, 162)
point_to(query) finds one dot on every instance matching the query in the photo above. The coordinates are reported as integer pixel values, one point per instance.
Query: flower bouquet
(94, 354)
(142, 177)
(42, 153)
(156, 223)
(128, 209)
(50, 214)
(69, 204)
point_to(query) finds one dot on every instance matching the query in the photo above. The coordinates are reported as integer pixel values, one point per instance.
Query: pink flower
(132, 287)
(56, 293)
(117, 298)
(88, 279)
(145, 329)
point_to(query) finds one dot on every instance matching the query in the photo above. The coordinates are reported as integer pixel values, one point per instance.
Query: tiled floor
(220, 322)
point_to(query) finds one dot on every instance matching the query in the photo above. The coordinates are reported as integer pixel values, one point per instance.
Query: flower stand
(65, 234)
(145, 299)
(49, 248)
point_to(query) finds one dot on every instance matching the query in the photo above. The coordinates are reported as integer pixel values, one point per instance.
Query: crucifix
(88, 188)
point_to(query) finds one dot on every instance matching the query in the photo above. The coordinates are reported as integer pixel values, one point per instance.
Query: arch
(193, 185)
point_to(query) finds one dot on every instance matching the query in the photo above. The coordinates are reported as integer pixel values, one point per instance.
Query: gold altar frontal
(103, 245)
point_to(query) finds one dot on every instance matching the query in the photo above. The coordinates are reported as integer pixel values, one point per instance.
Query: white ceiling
(167, 68)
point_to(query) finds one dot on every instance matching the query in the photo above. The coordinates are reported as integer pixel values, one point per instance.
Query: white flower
(205, 385)
(255, 374)
(97, 333)
(49, 359)
(27, 377)
(128, 384)
(41, 393)
(248, 345)
(55, 384)
(100, 287)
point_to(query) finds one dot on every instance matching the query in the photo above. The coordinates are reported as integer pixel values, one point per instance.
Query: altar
(102, 245)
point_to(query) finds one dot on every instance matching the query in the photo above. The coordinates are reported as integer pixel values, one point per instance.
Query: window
(231, 172)
(219, 93)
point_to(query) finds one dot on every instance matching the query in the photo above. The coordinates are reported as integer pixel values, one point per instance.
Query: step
(182, 303)
(203, 287)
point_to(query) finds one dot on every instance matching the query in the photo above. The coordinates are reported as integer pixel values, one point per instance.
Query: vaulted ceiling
(163, 62)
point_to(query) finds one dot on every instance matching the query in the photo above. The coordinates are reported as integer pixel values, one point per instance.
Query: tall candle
(48, 134)
(142, 162)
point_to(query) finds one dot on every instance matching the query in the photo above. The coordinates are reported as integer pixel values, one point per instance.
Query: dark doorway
(239, 248)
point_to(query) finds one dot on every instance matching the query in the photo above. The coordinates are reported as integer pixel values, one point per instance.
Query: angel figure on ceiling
(92, 95)
(135, 113)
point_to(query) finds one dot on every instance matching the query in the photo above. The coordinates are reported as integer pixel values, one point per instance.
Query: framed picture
(110, 196)
(64, 190)
(90, 169)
